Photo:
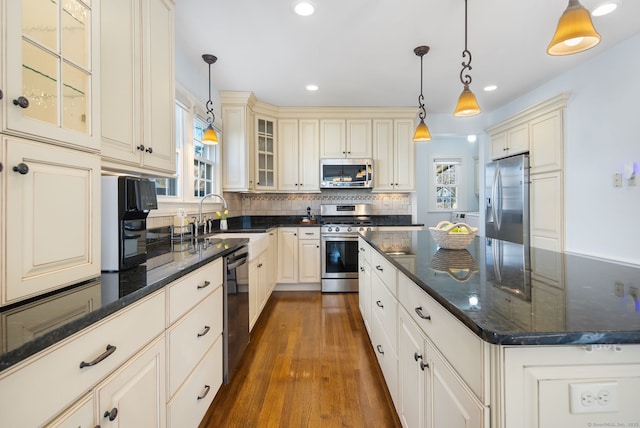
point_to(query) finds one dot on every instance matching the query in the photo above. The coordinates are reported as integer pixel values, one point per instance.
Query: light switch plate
(617, 180)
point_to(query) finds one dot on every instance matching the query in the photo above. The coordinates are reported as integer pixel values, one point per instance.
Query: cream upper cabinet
(265, 151)
(237, 141)
(345, 138)
(138, 89)
(298, 155)
(510, 142)
(547, 149)
(51, 89)
(394, 155)
(52, 196)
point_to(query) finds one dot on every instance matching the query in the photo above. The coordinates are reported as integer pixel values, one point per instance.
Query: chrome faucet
(224, 204)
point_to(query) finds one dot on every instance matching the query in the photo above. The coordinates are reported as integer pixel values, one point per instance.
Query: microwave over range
(346, 173)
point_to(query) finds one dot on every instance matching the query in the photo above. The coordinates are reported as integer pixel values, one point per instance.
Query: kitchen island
(501, 335)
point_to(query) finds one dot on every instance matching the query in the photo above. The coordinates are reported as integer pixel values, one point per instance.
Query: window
(447, 184)
(204, 161)
(197, 164)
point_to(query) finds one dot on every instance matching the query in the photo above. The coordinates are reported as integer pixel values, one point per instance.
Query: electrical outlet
(617, 180)
(593, 397)
(619, 289)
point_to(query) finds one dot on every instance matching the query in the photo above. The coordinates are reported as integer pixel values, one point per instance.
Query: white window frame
(185, 159)
(461, 185)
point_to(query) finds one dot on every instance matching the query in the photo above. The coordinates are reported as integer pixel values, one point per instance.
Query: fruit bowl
(453, 236)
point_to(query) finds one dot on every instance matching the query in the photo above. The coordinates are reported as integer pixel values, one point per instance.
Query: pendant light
(467, 103)
(575, 32)
(210, 136)
(422, 131)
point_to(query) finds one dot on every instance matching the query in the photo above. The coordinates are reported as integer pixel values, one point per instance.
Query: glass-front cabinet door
(265, 152)
(49, 87)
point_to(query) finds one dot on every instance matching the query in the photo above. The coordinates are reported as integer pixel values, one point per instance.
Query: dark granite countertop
(553, 299)
(263, 223)
(109, 293)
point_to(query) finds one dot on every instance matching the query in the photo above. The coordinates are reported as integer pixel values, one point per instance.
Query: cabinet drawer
(309, 233)
(193, 399)
(364, 251)
(460, 346)
(60, 380)
(186, 292)
(385, 270)
(387, 357)
(384, 307)
(192, 336)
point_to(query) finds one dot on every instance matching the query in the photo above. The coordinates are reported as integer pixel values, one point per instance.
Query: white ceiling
(360, 52)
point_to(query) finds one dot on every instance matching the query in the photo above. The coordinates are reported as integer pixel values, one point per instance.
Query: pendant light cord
(423, 112)
(465, 78)
(209, 104)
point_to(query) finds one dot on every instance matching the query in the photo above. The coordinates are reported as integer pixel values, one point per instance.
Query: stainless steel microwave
(346, 173)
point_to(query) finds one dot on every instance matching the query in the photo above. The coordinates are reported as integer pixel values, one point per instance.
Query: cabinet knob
(417, 356)
(21, 102)
(424, 365)
(379, 303)
(378, 267)
(379, 348)
(1, 94)
(112, 415)
(149, 150)
(140, 147)
(1, 167)
(22, 168)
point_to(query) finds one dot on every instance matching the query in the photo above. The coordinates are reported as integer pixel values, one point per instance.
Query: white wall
(443, 147)
(601, 134)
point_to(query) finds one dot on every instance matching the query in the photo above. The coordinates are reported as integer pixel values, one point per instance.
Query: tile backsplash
(275, 204)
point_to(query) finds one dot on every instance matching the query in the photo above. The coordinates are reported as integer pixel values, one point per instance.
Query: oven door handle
(132, 236)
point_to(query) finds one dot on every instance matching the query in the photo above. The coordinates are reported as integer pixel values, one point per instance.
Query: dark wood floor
(309, 364)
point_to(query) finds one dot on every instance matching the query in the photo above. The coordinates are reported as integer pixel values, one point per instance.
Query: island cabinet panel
(465, 351)
(52, 200)
(60, 377)
(543, 386)
(364, 282)
(412, 372)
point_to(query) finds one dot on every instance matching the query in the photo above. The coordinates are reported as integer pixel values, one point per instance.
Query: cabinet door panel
(332, 139)
(411, 375)
(53, 218)
(288, 155)
(546, 143)
(309, 156)
(405, 159)
(136, 391)
(359, 139)
(518, 139)
(383, 155)
(287, 255)
(546, 194)
(309, 258)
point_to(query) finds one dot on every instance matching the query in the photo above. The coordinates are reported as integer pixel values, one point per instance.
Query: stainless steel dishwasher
(236, 313)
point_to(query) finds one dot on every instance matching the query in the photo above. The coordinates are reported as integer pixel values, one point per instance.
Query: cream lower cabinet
(194, 343)
(364, 282)
(547, 210)
(137, 79)
(309, 255)
(262, 274)
(52, 195)
(544, 386)
(60, 380)
(134, 396)
(287, 255)
(412, 374)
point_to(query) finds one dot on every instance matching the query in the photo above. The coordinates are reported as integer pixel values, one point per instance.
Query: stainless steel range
(339, 239)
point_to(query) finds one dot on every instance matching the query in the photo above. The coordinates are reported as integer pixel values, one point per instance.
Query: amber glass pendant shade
(467, 104)
(210, 137)
(422, 132)
(575, 32)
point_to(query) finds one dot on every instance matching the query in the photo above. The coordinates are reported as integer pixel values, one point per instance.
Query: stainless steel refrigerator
(507, 199)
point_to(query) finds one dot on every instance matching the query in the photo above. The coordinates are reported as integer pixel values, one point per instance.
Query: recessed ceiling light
(304, 7)
(472, 138)
(312, 87)
(605, 8)
(490, 88)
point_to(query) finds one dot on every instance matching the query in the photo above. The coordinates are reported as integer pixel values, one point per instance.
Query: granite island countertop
(107, 293)
(552, 299)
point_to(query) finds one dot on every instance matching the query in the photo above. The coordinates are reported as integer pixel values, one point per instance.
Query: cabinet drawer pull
(424, 365)
(112, 415)
(205, 331)
(21, 102)
(361, 268)
(380, 268)
(421, 315)
(205, 285)
(379, 303)
(362, 249)
(417, 356)
(207, 388)
(379, 348)
(308, 233)
(110, 350)
(149, 150)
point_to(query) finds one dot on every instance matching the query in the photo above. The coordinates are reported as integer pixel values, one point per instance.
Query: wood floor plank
(309, 364)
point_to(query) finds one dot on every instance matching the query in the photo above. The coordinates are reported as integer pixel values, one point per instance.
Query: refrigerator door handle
(497, 203)
(494, 194)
